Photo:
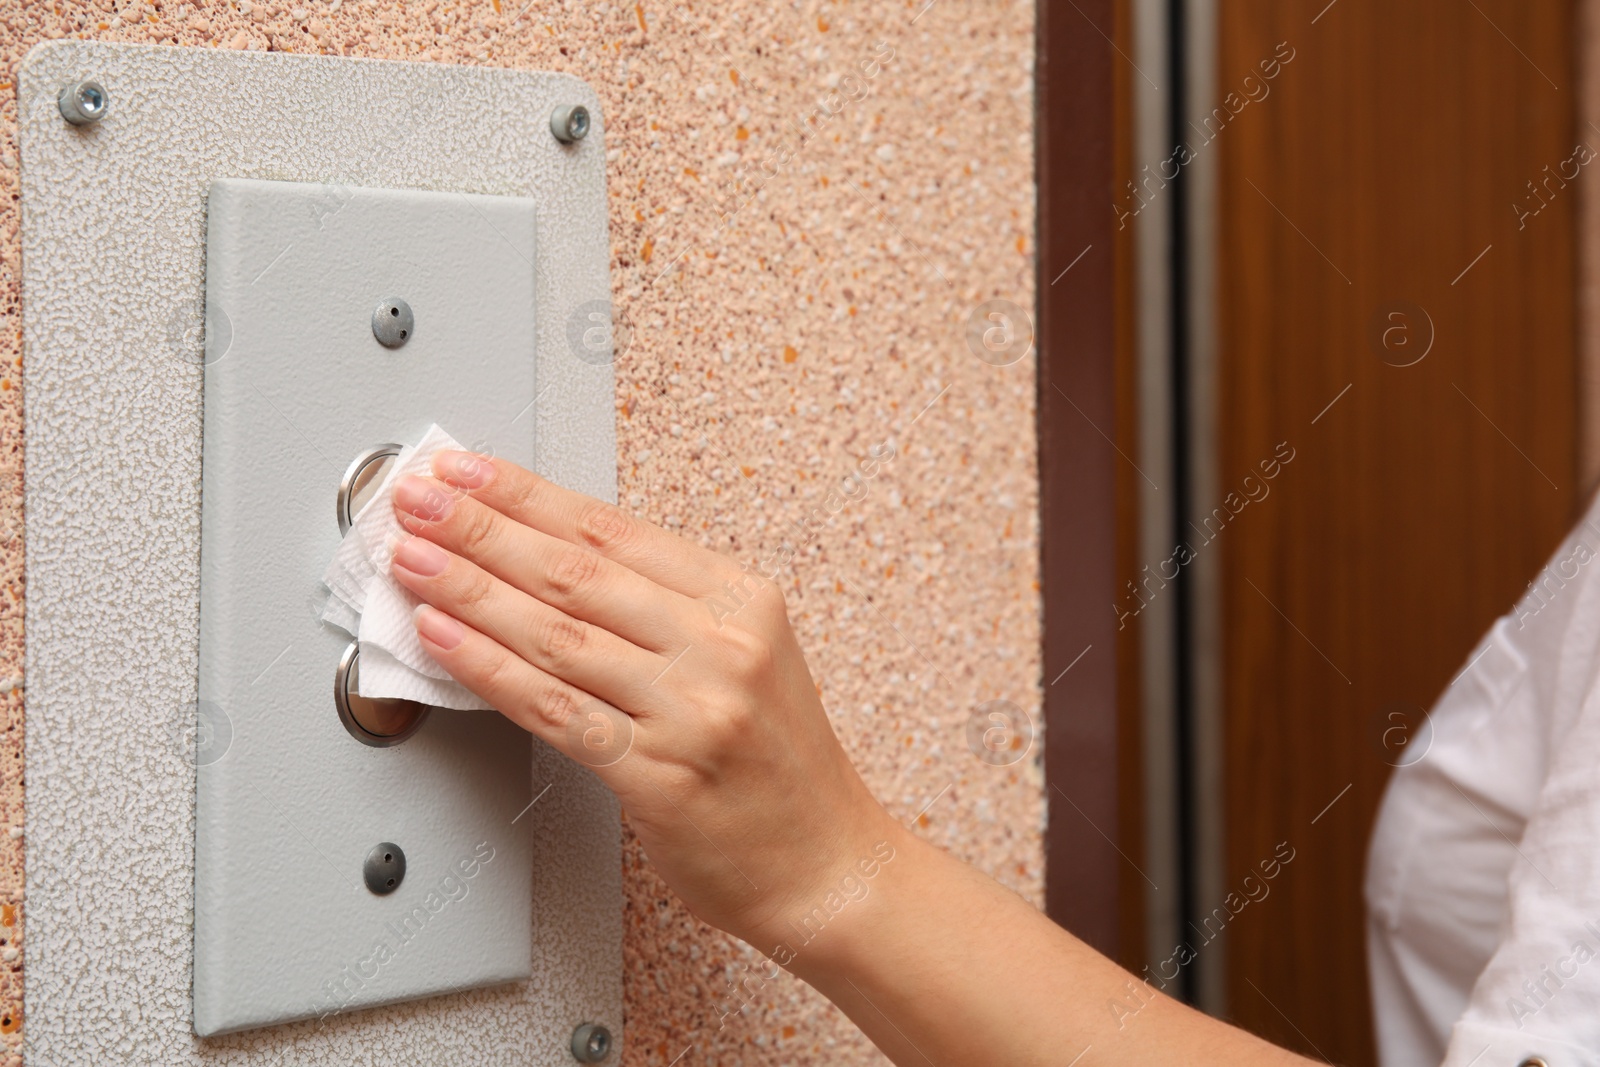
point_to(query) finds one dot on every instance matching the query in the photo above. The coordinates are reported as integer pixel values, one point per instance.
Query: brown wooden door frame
(1077, 138)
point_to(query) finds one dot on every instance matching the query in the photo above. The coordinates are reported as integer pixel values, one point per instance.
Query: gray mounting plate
(113, 231)
(289, 803)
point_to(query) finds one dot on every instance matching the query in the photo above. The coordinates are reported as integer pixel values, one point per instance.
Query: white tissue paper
(366, 602)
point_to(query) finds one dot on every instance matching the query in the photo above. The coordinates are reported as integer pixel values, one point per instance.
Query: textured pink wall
(780, 329)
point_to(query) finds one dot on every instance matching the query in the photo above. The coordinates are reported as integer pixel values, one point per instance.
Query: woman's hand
(674, 674)
(665, 667)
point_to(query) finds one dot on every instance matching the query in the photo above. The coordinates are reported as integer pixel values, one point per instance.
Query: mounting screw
(82, 103)
(591, 1043)
(570, 122)
(392, 322)
(385, 868)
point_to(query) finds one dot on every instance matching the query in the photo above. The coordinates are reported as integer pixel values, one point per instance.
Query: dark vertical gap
(1075, 152)
(1183, 587)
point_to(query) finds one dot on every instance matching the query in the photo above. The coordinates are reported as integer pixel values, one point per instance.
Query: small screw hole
(395, 312)
(388, 857)
(402, 335)
(391, 883)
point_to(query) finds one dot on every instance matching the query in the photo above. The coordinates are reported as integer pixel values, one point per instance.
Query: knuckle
(749, 654)
(561, 638)
(770, 605)
(526, 494)
(557, 708)
(760, 595)
(476, 525)
(724, 731)
(604, 526)
(494, 674)
(474, 586)
(572, 570)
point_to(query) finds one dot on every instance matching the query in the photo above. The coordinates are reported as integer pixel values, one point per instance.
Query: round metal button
(360, 479)
(379, 722)
(1533, 1061)
(392, 322)
(385, 868)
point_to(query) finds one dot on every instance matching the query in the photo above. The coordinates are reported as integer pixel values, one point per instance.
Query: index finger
(519, 494)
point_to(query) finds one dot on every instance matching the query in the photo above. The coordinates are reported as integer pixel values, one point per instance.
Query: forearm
(940, 965)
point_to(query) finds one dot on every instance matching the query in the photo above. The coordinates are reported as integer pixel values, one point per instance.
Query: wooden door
(1395, 297)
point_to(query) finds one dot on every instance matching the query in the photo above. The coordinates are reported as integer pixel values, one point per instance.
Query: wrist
(827, 905)
(848, 918)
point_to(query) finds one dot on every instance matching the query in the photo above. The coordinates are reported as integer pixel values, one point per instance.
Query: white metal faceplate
(297, 385)
(113, 236)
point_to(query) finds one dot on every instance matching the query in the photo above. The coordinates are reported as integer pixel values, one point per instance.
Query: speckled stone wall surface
(807, 203)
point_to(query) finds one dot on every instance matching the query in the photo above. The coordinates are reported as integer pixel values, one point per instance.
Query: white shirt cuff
(1476, 1045)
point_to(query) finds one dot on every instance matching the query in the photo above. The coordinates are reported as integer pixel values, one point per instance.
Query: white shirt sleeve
(1538, 998)
(1483, 881)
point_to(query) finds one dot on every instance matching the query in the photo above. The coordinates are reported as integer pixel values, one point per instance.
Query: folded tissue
(366, 602)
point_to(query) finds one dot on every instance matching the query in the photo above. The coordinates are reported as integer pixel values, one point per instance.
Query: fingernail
(421, 557)
(437, 627)
(465, 469)
(423, 498)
